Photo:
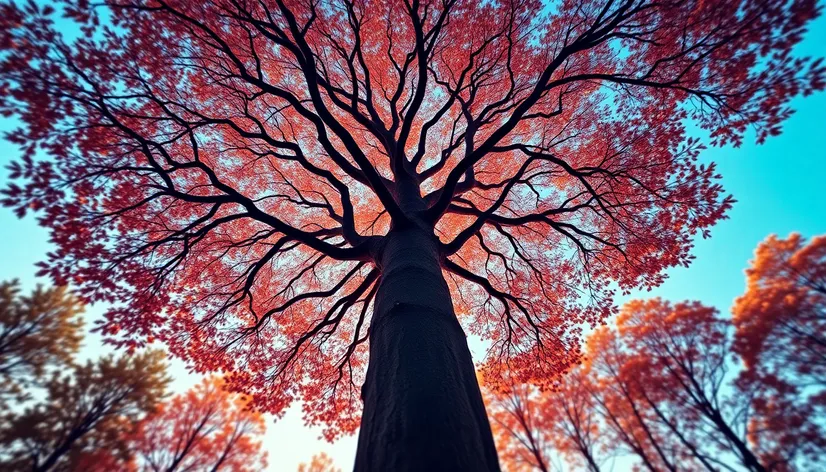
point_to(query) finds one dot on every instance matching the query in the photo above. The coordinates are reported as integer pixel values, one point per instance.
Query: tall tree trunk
(423, 410)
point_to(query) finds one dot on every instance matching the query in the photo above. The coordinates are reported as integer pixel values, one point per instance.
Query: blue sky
(780, 187)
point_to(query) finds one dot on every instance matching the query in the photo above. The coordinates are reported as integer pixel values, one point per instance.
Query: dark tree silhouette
(36, 332)
(84, 413)
(267, 186)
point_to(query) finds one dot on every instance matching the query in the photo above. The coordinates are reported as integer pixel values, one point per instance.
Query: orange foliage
(38, 331)
(666, 389)
(85, 417)
(532, 427)
(319, 463)
(205, 429)
(781, 319)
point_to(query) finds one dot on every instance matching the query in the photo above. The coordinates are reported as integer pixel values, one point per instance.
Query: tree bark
(423, 410)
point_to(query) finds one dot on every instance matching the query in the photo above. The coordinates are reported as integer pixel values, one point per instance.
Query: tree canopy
(781, 319)
(672, 389)
(36, 331)
(204, 429)
(228, 173)
(85, 413)
(319, 463)
(111, 413)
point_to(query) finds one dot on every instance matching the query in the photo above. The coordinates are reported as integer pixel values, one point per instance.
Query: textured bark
(423, 410)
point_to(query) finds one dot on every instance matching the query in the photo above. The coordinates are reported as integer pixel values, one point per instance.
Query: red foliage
(204, 429)
(664, 389)
(532, 427)
(224, 172)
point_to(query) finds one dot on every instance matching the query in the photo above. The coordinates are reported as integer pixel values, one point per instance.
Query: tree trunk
(423, 410)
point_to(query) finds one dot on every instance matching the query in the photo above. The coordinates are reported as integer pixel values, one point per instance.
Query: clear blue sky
(780, 187)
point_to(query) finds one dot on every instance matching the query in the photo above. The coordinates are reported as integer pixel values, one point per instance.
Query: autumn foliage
(36, 332)
(108, 414)
(319, 463)
(533, 428)
(668, 390)
(205, 429)
(87, 412)
(781, 319)
(253, 183)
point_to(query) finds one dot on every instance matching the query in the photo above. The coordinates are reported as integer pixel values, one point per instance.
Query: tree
(781, 319)
(630, 426)
(663, 388)
(36, 332)
(680, 359)
(681, 377)
(266, 187)
(83, 413)
(519, 441)
(319, 463)
(205, 429)
(532, 426)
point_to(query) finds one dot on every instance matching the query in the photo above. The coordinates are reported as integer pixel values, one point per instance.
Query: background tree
(665, 389)
(319, 463)
(519, 441)
(680, 359)
(630, 427)
(205, 429)
(84, 412)
(781, 319)
(265, 187)
(36, 331)
(532, 427)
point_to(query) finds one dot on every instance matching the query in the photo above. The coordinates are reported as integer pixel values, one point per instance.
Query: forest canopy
(282, 190)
